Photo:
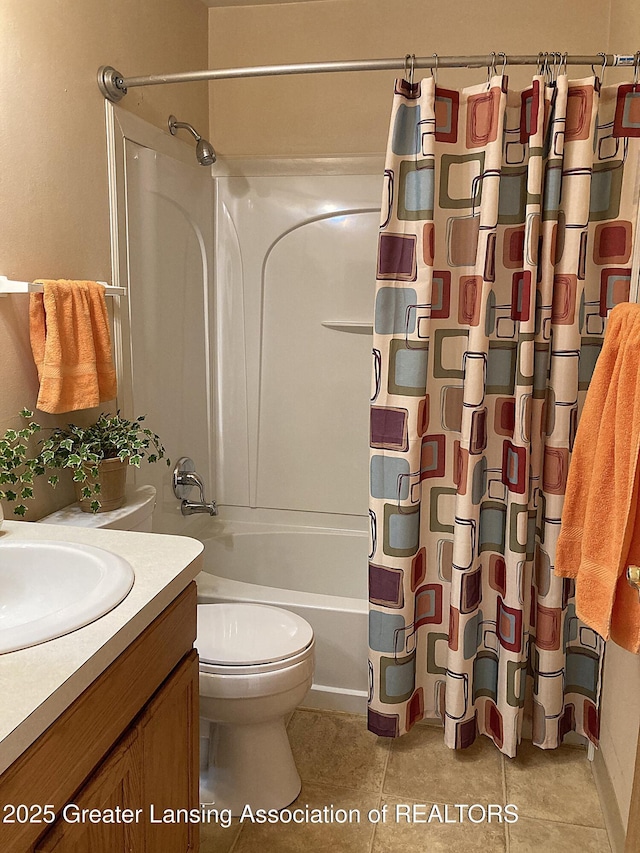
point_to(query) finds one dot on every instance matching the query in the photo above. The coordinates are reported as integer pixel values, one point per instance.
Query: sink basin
(48, 589)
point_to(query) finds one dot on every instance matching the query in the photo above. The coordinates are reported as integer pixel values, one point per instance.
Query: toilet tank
(135, 514)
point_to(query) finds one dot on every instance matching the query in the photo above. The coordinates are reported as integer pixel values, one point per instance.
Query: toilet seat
(250, 638)
(256, 668)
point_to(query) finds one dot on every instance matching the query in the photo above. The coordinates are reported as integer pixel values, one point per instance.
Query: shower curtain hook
(563, 63)
(491, 68)
(409, 57)
(636, 67)
(540, 63)
(604, 65)
(434, 74)
(546, 71)
(555, 67)
(505, 61)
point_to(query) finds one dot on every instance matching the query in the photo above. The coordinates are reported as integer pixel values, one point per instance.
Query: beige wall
(325, 114)
(624, 32)
(620, 721)
(53, 179)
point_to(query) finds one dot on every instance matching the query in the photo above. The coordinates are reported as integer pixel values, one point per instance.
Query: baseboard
(336, 699)
(609, 803)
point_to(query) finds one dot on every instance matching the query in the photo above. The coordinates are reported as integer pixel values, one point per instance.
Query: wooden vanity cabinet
(129, 741)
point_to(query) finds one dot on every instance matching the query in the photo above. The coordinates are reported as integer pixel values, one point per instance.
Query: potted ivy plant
(17, 469)
(97, 455)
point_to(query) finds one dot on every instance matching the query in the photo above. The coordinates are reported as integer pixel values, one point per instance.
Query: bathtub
(319, 573)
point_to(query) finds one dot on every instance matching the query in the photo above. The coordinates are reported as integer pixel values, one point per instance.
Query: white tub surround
(260, 275)
(38, 683)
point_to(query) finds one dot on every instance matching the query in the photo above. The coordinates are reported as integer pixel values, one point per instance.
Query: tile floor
(343, 765)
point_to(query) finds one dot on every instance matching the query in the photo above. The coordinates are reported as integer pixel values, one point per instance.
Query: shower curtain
(507, 233)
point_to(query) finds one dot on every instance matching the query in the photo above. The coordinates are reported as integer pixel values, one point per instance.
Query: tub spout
(191, 507)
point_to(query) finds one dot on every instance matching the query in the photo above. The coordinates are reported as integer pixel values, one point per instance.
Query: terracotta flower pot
(112, 476)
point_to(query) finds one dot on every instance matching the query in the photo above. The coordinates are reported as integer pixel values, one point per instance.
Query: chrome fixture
(113, 84)
(204, 150)
(185, 478)
(633, 578)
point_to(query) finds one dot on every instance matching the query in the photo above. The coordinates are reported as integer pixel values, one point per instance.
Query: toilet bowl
(256, 666)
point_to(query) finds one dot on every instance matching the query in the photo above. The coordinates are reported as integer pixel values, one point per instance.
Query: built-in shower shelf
(9, 286)
(349, 326)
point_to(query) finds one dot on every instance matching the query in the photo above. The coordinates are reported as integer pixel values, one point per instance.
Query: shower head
(205, 153)
(204, 150)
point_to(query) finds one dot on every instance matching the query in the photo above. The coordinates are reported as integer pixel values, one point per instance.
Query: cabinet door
(170, 741)
(116, 784)
(153, 772)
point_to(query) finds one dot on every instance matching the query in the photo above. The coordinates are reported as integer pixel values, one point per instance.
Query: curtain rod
(114, 86)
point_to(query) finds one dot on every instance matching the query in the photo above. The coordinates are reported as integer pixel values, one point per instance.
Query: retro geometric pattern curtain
(507, 236)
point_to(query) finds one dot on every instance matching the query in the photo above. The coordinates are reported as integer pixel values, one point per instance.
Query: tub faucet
(185, 478)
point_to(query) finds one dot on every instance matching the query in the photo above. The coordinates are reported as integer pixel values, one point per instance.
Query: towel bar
(8, 286)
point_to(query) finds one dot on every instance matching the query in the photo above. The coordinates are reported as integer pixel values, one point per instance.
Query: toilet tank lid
(249, 633)
(138, 506)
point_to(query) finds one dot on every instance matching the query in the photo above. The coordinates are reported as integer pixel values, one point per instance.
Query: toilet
(256, 666)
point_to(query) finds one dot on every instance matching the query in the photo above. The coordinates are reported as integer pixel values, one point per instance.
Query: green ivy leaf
(20, 510)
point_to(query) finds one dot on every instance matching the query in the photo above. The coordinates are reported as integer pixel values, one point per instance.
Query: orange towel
(600, 531)
(71, 345)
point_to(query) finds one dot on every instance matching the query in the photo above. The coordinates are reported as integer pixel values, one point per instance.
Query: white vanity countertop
(38, 683)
